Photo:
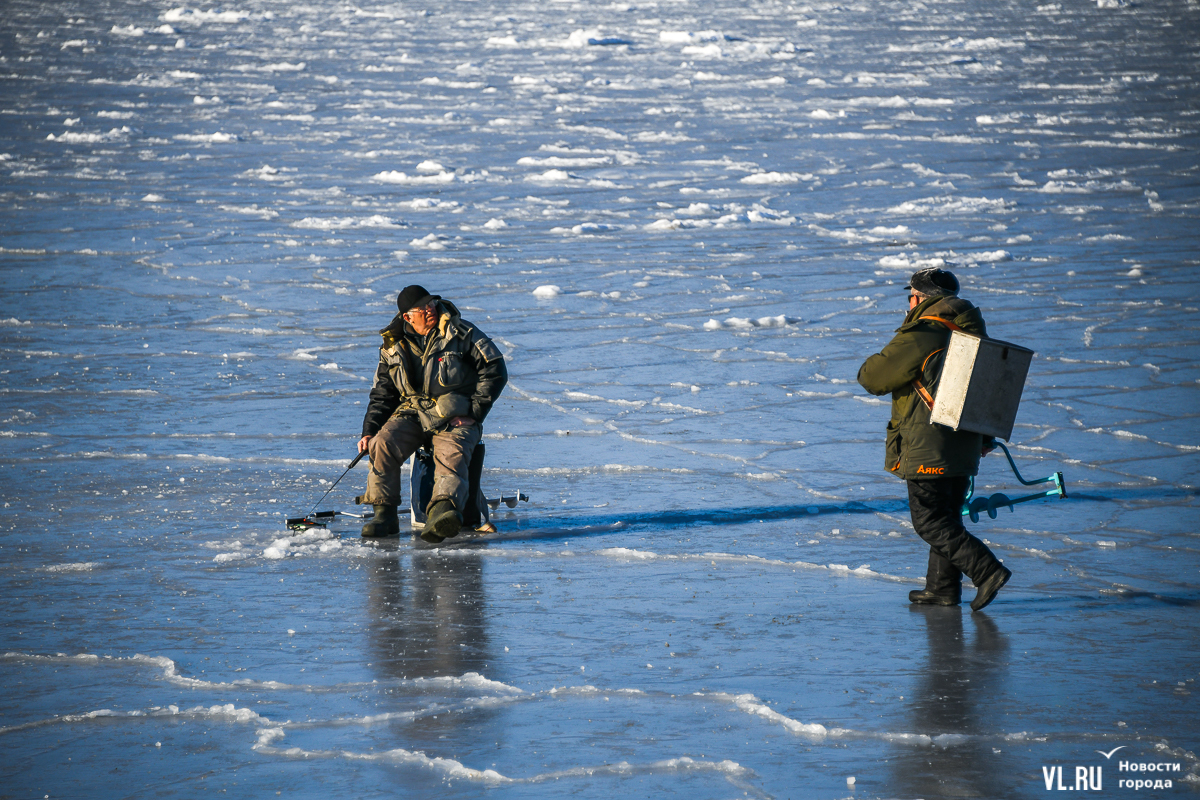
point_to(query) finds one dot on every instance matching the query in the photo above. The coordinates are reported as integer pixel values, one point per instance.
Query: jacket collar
(959, 311)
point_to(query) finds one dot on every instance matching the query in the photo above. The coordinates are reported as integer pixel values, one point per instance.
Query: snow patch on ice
(950, 204)
(431, 241)
(744, 323)
(81, 137)
(760, 178)
(211, 138)
(403, 178)
(344, 223)
(470, 680)
(85, 566)
(552, 176)
(197, 17)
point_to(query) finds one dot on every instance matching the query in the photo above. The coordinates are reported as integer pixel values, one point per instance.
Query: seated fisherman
(437, 378)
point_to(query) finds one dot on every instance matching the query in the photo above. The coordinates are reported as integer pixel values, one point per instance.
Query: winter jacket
(916, 448)
(457, 373)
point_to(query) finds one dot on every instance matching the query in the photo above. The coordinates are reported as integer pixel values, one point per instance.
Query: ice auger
(973, 505)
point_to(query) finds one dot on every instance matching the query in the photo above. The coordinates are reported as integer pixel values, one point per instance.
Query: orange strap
(931, 355)
(942, 320)
(922, 392)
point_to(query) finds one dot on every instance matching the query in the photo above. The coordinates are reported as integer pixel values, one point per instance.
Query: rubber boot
(943, 583)
(386, 522)
(986, 591)
(442, 522)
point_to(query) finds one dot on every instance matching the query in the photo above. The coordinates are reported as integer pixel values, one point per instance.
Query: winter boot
(386, 522)
(943, 583)
(442, 522)
(986, 591)
(924, 597)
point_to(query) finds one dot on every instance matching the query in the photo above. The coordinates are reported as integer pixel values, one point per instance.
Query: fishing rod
(319, 519)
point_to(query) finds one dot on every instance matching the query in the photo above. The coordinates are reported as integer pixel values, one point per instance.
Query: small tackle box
(980, 386)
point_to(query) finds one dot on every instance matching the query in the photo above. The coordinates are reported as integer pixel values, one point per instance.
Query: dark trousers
(936, 508)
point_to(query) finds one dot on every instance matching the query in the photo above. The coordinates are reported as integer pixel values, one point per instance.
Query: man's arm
(383, 400)
(893, 367)
(493, 375)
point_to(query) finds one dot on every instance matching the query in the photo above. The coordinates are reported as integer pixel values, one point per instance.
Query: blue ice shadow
(566, 527)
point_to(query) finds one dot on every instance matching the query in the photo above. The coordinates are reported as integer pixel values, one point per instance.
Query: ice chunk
(73, 137)
(393, 176)
(744, 323)
(777, 177)
(211, 138)
(195, 17)
(551, 176)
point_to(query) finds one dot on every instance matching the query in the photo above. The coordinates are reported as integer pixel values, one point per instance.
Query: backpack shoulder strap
(917, 384)
(942, 320)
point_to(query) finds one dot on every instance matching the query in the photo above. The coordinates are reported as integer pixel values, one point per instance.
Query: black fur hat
(934, 283)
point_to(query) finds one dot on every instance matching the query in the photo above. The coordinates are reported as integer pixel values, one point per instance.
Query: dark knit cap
(934, 283)
(411, 297)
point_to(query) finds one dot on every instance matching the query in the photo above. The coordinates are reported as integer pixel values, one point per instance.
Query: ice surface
(685, 225)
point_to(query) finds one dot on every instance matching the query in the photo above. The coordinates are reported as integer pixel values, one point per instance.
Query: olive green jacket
(916, 448)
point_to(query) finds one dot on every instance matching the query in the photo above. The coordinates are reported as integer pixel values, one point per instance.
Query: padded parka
(457, 371)
(916, 448)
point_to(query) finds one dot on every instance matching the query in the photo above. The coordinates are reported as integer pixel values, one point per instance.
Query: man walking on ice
(437, 378)
(936, 461)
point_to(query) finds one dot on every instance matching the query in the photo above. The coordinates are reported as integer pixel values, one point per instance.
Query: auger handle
(1013, 464)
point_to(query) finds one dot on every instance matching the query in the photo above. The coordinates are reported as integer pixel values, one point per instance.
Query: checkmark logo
(1109, 754)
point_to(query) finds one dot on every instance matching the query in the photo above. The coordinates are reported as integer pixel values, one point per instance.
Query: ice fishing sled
(475, 515)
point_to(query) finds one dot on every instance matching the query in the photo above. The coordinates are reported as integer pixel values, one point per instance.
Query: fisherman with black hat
(936, 461)
(437, 378)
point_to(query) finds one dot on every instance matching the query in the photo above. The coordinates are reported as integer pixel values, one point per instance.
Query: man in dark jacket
(936, 461)
(437, 378)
